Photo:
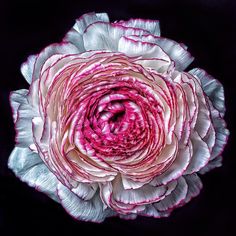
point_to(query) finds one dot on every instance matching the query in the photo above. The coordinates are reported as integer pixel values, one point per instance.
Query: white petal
(216, 162)
(75, 38)
(212, 87)
(194, 186)
(90, 210)
(87, 19)
(152, 26)
(152, 211)
(135, 48)
(85, 191)
(222, 134)
(130, 184)
(28, 166)
(177, 53)
(104, 36)
(17, 98)
(201, 154)
(62, 48)
(27, 68)
(175, 198)
(128, 217)
(144, 194)
(176, 169)
(23, 113)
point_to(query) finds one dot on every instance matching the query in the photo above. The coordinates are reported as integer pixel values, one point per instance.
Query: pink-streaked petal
(201, 154)
(28, 166)
(152, 26)
(212, 87)
(90, 210)
(23, 113)
(28, 67)
(174, 198)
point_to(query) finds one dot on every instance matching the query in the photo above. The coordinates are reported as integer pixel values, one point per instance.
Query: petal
(176, 169)
(85, 191)
(75, 38)
(212, 87)
(136, 48)
(104, 36)
(28, 166)
(87, 19)
(174, 198)
(194, 186)
(201, 154)
(16, 99)
(128, 217)
(23, 113)
(144, 194)
(176, 51)
(152, 211)
(222, 134)
(152, 26)
(62, 48)
(216, 162)
(130, 184)
(90, 210)
(27, 68)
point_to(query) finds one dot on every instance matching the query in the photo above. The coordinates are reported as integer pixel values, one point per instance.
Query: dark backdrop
(206, 26)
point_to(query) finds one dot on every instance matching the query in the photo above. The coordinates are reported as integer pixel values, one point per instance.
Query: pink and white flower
(111, 123)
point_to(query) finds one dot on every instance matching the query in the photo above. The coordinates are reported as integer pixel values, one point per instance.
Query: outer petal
(87, 19)
(194, 186)
(217, 162)
(201, 154)
(28, 67)
(175, 198)
(152, 26)
(28, 166)
(104, 36)
(62, 48)
(75, 37)
(212, 87)
(176, 169)
(90, 210)
(176, 51)
(23, 113)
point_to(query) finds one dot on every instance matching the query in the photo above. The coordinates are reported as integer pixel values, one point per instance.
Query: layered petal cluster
(112, 125)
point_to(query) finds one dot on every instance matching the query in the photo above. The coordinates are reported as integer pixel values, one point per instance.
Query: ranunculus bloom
(111, 125)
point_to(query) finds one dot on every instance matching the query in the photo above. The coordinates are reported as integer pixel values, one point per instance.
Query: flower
(112, 125)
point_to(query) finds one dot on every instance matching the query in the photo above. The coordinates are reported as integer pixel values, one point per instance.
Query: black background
(206, 26)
